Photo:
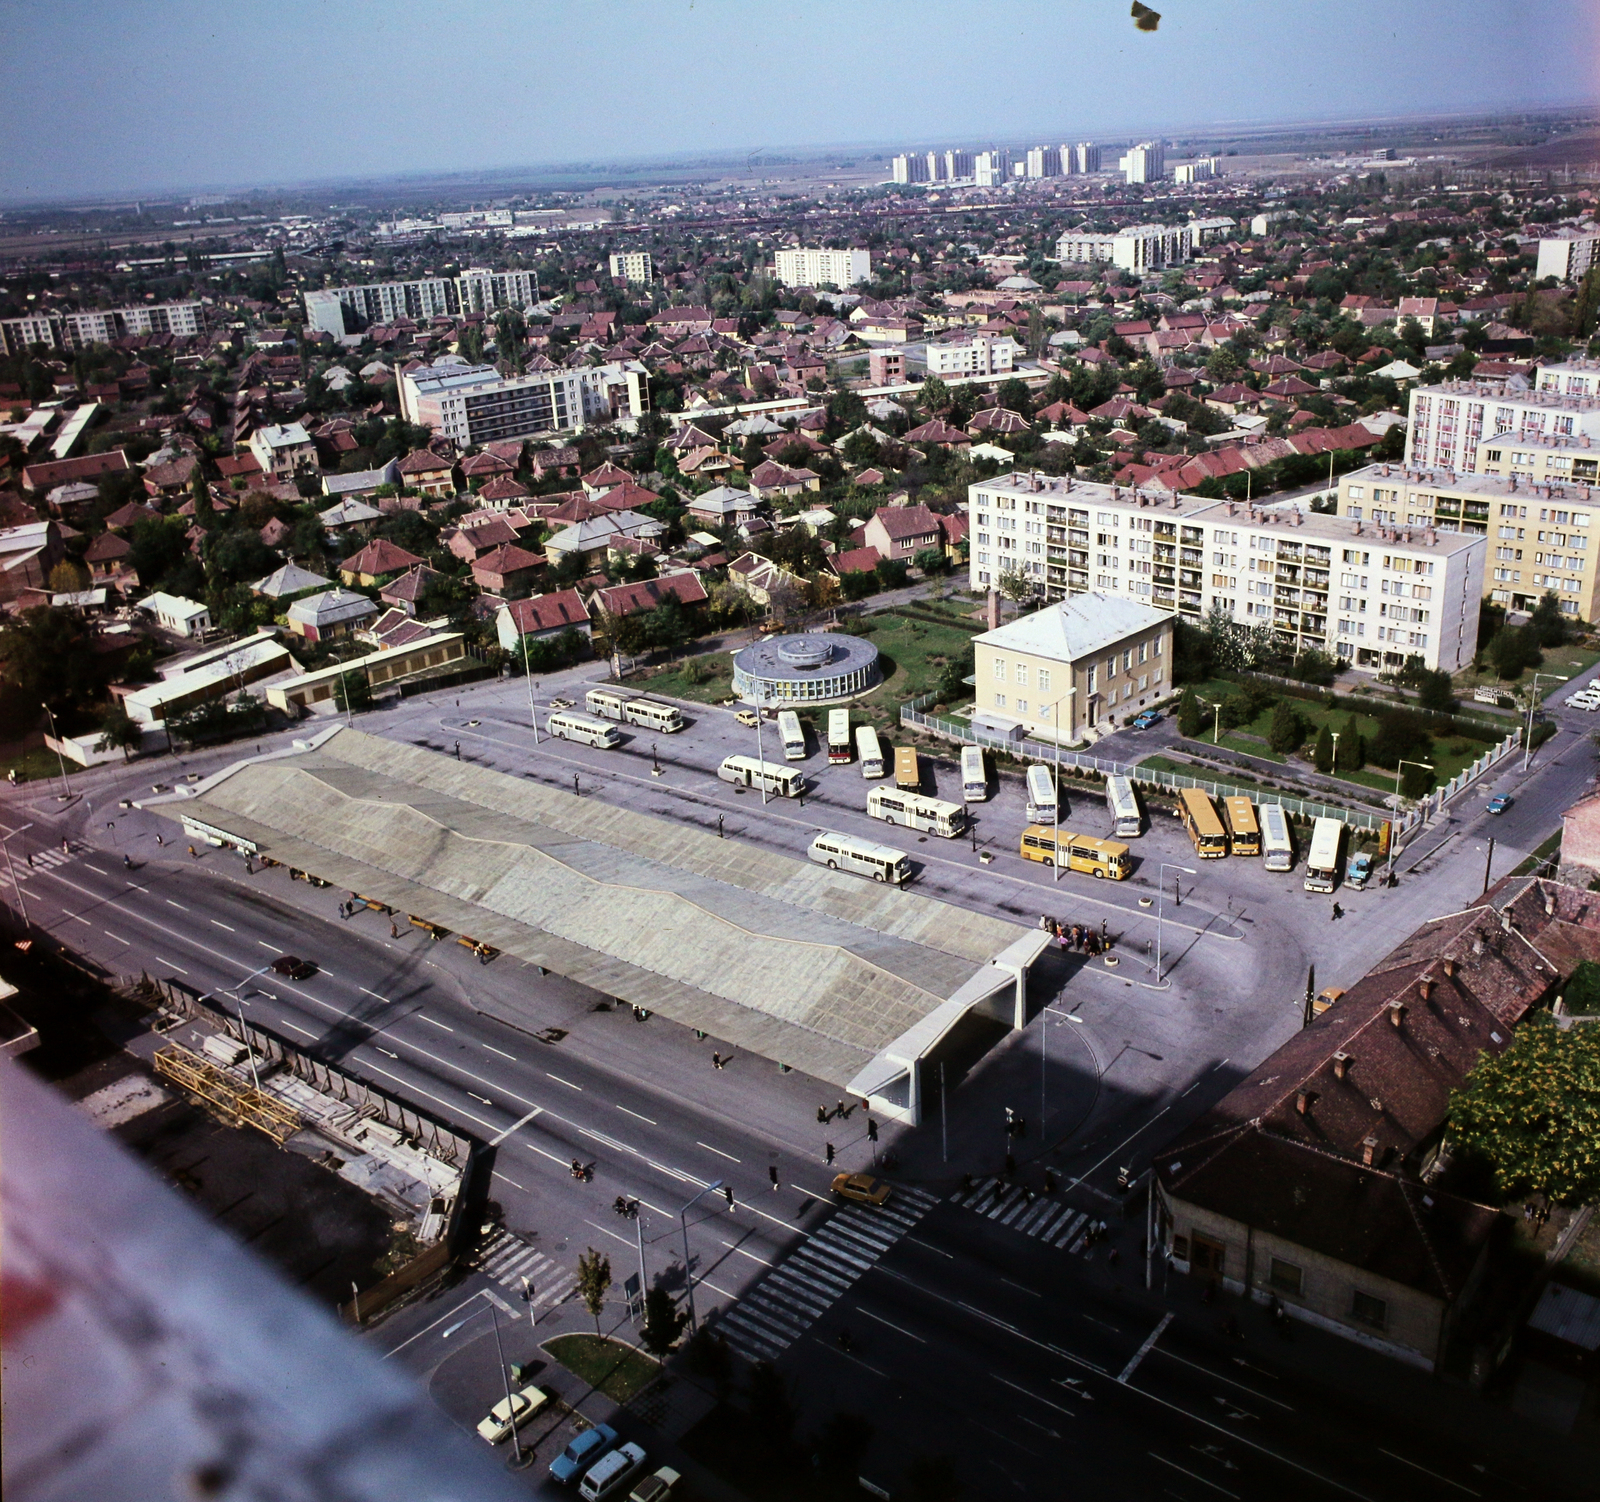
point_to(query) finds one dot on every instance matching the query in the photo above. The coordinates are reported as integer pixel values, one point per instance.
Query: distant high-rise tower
(1087, 156)
(911, 169)
(991, 168)
(1145, 163)
(957, 164)
(1044, 161)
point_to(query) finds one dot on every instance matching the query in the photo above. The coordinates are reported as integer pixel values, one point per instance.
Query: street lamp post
(1533, 700)
(238, 1006)
(761, 705)
(533, 714)
(688, 1272)
(1161, 890)
(66, 786)
(1216, 720)
(1394, 839)
(505, 1374)
(1335, 735)
(11, 871)
(1055, 722)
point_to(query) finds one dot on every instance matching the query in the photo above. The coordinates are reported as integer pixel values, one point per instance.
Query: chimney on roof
(992, 605)
(1425, 987)
(1397, 1013)
(1341, 1065)
(1549, 905)
(1369, 1150)
(1303, 1100)
(1450, 966)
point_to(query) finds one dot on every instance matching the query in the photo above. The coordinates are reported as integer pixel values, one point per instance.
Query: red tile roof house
(902, 531)
(39, 478)
(376, 562)
(540, 616)
(470, 543)
(562, 461)
(646, 594)
(769, 478)
(940, 432)
(407, 591)
(424, 470)
(854, 561)
(507, 571)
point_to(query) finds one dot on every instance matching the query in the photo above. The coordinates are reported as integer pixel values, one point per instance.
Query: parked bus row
(634, 709)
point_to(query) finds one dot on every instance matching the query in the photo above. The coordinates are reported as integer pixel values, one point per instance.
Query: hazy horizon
(159, 98)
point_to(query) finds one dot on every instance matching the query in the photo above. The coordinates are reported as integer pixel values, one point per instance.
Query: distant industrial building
(347, 310)
(632, 266)
(100, 326)
(822, 268)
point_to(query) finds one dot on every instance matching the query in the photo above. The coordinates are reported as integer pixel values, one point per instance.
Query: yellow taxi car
(862, 1188)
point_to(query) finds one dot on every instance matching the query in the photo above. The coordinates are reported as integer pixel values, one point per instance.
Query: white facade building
(1085, 157)
(1456, 424)
(991, 168)
(632, 266)
(101, 326)
(1139, 247)
(475, 404)
(973, 355)
(282, 449)
(910, 169)
(1372, 596)
(1568, 256)
(1199, 171)
(1145, 163)
(818, 268)
(1044, 161)
(348, 310)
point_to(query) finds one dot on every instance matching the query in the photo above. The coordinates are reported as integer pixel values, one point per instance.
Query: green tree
(1015, 585)
(1547, 625)
(1437, 691)
(1532, 1113)
(158, 546)
(1351, 755)
(1400, 735)
(47, 655)
(352, 690)
(1190, 717)
(861, 450)
(594, 1281)
(934, 397)
(68, 577)
(119, 732)
(1323, 754)
(1415, 781)
(667, 626)
(1015, 397)
(663, 1322)
(1514, 649)
(931, 560)
(1286, 730)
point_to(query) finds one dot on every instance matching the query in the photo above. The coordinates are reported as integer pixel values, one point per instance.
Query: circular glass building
(814, 668)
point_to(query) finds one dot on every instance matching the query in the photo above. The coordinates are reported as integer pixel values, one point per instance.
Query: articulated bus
(792, 733)
(1276, 847)
(870, 752)
(1322, 860)
(1077, 852)
(746, 771)
(651, 713)
(582, 727)
(1244, 833)
(974, 777)
(848, 852)
(1202, 825)
(933, 815)
(1042, 805)
(907, 770)
(1124, 808)
(838, 735)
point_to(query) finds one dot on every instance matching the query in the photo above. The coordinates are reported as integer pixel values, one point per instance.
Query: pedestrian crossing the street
(508, 1260)
(789, 1300)
(1036, 1215)
(46, 859)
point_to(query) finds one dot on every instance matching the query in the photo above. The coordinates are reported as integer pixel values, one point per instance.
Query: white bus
(605, 702)
(1124, 807)
(1322, 860)
(653, 715)
(1042, 804)
(582, 727)
(974, 777)
(848, 852)
(870, 752)
(792, 733)
(838, 736)
(916, 811)
(746, 771)
(1277, 849)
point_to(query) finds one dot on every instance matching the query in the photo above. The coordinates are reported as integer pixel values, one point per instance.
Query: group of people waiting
(1083, 937)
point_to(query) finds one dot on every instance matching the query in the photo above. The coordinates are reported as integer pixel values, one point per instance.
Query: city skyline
(167, 122)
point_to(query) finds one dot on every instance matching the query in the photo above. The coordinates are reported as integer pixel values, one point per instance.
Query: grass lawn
(1450, 752)
(1569, 661)
(38, 762)
(678, 680)
(609, 1366)
(1241, 782)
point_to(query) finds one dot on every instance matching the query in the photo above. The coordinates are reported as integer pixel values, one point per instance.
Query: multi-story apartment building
(101, 326)
(1549, 430)
(912, 168)
(973, 355)
(1536, 534)
(1044, 161)
(1145, 163)
(1567, 255)
(632, 266)
(1139, 247)
(991, 168)
(957, 165)
(1199, 171)
(348, 310)
(475, 404)
(1372, 595)
(818, 268)
(1085, 157)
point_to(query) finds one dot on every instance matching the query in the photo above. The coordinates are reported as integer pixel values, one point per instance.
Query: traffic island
(612, 1367)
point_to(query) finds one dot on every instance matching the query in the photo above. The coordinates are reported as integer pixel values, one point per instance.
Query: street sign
(633, 1291)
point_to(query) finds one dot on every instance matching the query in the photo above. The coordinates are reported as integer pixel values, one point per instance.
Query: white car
(655, 1488)
(1590, 702)
(512, 1413)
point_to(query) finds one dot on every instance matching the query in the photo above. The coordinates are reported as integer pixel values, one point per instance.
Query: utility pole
(1311, 991)
(1488, 861)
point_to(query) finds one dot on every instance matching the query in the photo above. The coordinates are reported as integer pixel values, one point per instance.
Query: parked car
(748, 717)
(512, 1413)
(294, 967)
(1500, 803)
(1585, 698)
(862, 1188)
(1147, 719)
(1358, 870)
(588, 1447)
(655, 1488)
(1325, 999)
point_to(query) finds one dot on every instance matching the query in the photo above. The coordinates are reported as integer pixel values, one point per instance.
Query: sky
(146, 96)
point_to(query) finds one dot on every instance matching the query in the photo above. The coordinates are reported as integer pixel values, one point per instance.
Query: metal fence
(1172, 782)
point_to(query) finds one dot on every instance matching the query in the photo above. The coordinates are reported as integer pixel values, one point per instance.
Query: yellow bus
(1202, 825)
(907, 771)
(1244, 833)
(1077, 852)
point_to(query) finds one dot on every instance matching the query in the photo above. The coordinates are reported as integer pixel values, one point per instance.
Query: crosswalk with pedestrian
(788, 1301)
(1036, 1215)
(508, 1259)
(45, 859)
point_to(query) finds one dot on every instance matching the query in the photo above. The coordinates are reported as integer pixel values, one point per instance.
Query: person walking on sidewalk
(827, 1152)
(772, 1173)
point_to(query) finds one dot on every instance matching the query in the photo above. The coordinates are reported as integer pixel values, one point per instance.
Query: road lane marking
(882, 1321)
(503, 1054)
(118, 937)
(929, 1246)
(814, 1195)
(424, 1016)
(1223, 1377)
(302, 1031)
(718, 1151)
(374, 995)
(262, 944)
(1193, 1475)
(516, 1126)
(625, 1240)
(218, 923)
(557, 1078)
(1025, 1393)
(172, 965)
(828, 1345)
(97, 871)
(180, 907)
(1144, 1350)
(84, 921)
(447, 1104)
(636, 1116)
(484, 1098)
(735, 1247)
(385, 1052)
(1019, 1287)
(1426, 1472)
(512, 1182)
